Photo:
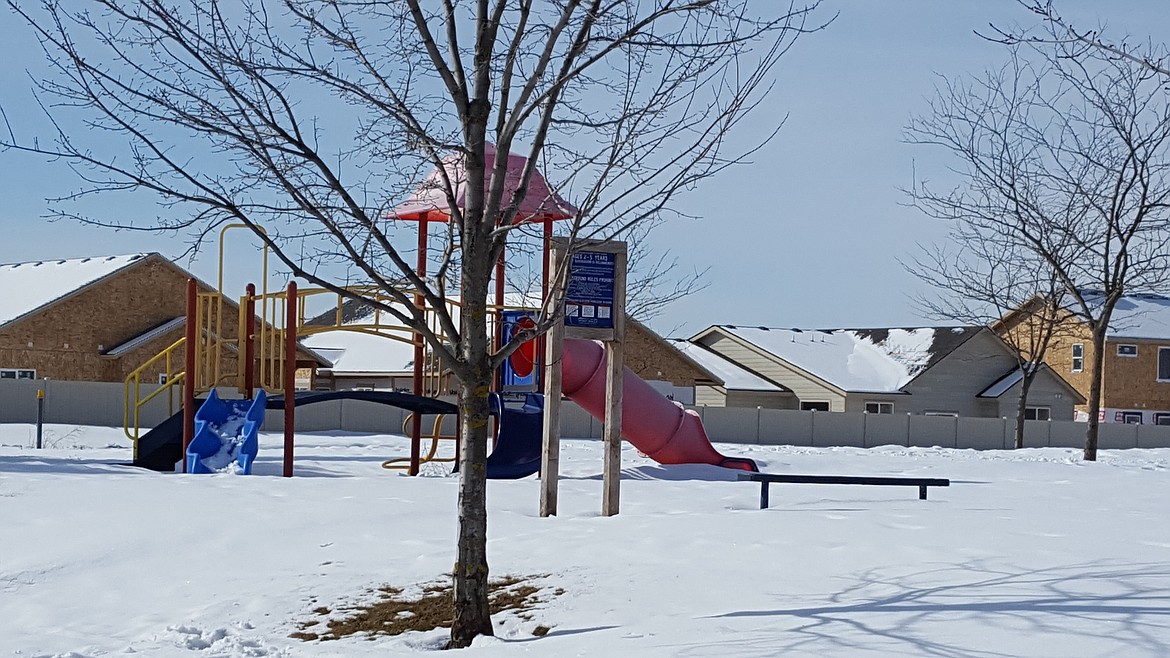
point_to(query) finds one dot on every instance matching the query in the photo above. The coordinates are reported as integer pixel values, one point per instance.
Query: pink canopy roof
(429, 201)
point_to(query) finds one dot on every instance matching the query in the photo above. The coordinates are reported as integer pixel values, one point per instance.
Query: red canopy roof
(429, 201)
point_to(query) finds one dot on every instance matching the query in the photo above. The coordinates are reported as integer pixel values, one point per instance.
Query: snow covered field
(1028, 553)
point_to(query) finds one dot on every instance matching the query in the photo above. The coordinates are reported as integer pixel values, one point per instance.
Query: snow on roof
(25, 287)
(352, 352)
(733, 376)
(858, 360)
(1138, 316)
(146, 336)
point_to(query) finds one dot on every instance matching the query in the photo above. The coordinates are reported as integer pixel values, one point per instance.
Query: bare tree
(309, 118)
(1056, 29)
(987, 279)
(1068, 158)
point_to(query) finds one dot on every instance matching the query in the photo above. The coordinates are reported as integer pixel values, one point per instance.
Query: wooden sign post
(594, 309)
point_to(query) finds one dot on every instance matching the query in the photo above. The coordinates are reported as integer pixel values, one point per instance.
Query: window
(1131, 417)
(17, 373)
(1037, 413)
(814, 406)
(879, 407)
(1078, 357)
(1164, 364)
(1127, 350)
(1162, 419)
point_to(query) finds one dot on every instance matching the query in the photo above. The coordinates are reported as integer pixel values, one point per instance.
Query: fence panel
(838, 429)
(1112, 436)
(983, 433)
(1153, 436)
(732, 424)
(18, 400)
(886, 429)
(785, 427)
(930, 431)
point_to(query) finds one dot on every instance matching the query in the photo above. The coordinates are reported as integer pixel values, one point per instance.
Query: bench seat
(785, 478)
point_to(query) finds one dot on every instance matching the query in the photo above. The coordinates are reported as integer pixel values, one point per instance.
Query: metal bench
(767, 478)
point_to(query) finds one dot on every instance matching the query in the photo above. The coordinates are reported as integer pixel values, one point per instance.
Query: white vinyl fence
(92, 403)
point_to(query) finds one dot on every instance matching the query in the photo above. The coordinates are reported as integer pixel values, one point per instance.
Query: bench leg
(764, 495)
(922, 492)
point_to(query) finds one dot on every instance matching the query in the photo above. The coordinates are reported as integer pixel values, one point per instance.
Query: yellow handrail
(133, 405)
(435, 436)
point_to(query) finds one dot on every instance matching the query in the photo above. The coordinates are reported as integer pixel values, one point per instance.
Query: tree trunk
(1022, 407)
(472, 614)
(1095, 392)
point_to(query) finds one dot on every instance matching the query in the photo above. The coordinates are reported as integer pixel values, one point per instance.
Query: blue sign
(590, 296)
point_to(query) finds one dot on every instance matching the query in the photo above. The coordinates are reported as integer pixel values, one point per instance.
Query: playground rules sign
(589, 300)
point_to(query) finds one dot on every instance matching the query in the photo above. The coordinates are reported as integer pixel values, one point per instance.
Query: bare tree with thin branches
(1068, 159)
(987, 279)
(306, 119)
(1056, 29)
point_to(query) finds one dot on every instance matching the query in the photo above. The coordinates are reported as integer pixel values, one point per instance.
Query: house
(1135, 385)
(96, 319)
(373, 351)
(943, 371)
(738, 387)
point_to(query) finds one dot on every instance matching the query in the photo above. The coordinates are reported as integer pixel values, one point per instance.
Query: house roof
(355, 353)
(857, 360)
(27, 287)
(1138, 316)
(1004, 384)
(733, 376)
(146, 336)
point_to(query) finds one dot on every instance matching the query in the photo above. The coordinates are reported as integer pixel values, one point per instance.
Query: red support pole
(500, 337)
(189, 347)
(546, 249)
(250, 342)
(419, 355)
(290, 376)
(548, 234)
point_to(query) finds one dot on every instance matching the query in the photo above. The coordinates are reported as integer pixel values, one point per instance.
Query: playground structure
(263, 344)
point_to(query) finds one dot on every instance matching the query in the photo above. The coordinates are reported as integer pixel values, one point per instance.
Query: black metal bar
(767, 478)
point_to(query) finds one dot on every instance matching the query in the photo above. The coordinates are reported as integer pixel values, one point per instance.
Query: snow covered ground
(1028, 553)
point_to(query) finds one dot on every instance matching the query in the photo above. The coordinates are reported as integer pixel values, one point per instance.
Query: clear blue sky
(809, 235)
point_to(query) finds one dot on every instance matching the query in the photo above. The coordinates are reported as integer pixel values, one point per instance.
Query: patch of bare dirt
(429, 607)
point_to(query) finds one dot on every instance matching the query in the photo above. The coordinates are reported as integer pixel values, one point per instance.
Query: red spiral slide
(659, 427)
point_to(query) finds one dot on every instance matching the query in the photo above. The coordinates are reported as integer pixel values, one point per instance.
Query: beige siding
(710, 396)
(763, 399)
(803, 387)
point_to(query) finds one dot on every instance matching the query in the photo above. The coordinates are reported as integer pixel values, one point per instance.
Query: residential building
(738, 386)
(943, 371)
(1135, 385)
(98, 319)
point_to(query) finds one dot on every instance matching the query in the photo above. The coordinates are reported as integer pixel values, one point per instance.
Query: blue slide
(516, 453)
(226, 435)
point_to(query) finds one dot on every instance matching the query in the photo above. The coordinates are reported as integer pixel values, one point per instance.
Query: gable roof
(1004, 384)
(880, 360)
(27, 287)
(731, 374)
(1138, 315)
